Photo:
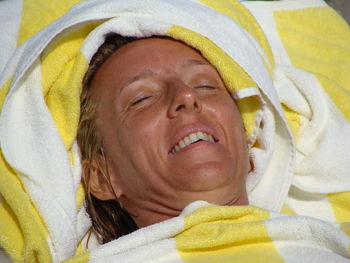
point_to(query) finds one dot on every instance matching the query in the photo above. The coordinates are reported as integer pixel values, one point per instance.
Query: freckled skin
(149, 93)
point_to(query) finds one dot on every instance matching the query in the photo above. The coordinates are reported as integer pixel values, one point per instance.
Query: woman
(292, 113)
(170, 135)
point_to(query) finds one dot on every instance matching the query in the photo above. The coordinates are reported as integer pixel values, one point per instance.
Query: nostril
(197, 106)
(179, 107)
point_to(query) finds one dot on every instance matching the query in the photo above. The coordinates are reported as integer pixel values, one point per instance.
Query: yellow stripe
(248, 108)
(62, 70)
(81, 258)
(80, 196)
(232, 74)
(10, 231)
(4, 91)
(226, 234)
(37, 14)
(24, 235)
(287, 210)
(319, 47)
(340, 96)
(224, 64)
(22, 232)
(340, 203)
(293, 119)
(245, 19)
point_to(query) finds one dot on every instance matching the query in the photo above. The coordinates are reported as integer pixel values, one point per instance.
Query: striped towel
(287, 70)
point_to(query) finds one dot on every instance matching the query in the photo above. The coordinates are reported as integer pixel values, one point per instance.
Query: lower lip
(195, 145)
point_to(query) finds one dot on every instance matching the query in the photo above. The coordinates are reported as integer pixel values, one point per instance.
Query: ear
(250, 164)
(98, 181)
(250, 161)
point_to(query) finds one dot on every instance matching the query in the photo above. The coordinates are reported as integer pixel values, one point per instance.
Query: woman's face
(171, 132)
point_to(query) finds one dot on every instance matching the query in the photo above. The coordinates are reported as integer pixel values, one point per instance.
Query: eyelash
(206, 86)
(139, 100)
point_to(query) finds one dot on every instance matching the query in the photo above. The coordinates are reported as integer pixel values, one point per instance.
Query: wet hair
(109, 220)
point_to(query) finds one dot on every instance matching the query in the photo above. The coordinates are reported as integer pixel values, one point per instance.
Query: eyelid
(139, 99)
(209, 86)
(205, 83)
(136, 94)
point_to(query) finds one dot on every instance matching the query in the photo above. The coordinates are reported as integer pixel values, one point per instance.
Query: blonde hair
(109, 219)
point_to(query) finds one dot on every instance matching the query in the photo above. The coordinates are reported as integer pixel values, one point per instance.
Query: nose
(183, 99)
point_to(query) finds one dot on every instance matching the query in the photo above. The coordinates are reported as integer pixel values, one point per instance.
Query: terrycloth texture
(300, 40)
(206, 233)
(10, 16)
(292, 98)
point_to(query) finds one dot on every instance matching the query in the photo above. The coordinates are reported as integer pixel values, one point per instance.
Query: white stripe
(305, 239)
(157, 252)
(154, 243)
(266, 20)
(271, 177)
(310, 204)
(31, 143)
(264, 14)
(10, 19)
(122, 24)
(273, 6)
(322, 164)
(245, 93)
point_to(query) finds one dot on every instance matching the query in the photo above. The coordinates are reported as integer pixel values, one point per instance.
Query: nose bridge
(183, 91)
(183, 98)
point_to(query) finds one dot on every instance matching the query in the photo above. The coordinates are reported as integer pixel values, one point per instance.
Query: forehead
(153, 50)
(159, 55)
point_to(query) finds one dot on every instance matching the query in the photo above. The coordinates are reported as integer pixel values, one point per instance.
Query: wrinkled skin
(151, 93)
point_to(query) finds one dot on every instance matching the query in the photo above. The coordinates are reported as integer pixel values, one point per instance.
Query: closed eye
(140, 100)
(206, 87)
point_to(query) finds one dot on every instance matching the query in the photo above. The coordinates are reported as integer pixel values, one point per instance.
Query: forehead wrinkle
(194, 62)
(143, 75)
(149, 73)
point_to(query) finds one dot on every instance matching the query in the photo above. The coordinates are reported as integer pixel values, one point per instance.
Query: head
(158, 131)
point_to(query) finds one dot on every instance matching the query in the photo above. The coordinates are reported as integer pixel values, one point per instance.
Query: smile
(192, 138)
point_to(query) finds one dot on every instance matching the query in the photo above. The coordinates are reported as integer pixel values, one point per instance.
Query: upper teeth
(193, 137)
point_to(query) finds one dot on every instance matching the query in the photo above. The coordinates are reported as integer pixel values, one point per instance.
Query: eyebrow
(143, 75)
(149, 73)
(194, 62)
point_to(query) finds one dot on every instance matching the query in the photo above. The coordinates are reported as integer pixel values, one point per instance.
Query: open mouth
(191, 139)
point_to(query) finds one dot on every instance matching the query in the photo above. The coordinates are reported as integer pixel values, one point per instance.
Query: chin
(205, 177)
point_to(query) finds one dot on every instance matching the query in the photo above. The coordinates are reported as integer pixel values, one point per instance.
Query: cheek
(142, 130)
(140, 136)
(142, 122)
(228, 112)
(231, 120)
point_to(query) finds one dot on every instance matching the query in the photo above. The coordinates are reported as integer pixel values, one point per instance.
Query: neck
(145, 215)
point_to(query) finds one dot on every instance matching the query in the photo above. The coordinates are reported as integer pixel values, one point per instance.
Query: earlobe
(250, 160)
(250, 165)
(97, 180)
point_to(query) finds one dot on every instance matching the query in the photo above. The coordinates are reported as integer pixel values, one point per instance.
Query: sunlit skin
(150, 94)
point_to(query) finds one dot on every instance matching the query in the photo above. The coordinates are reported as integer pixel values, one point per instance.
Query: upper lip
(188, 129)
